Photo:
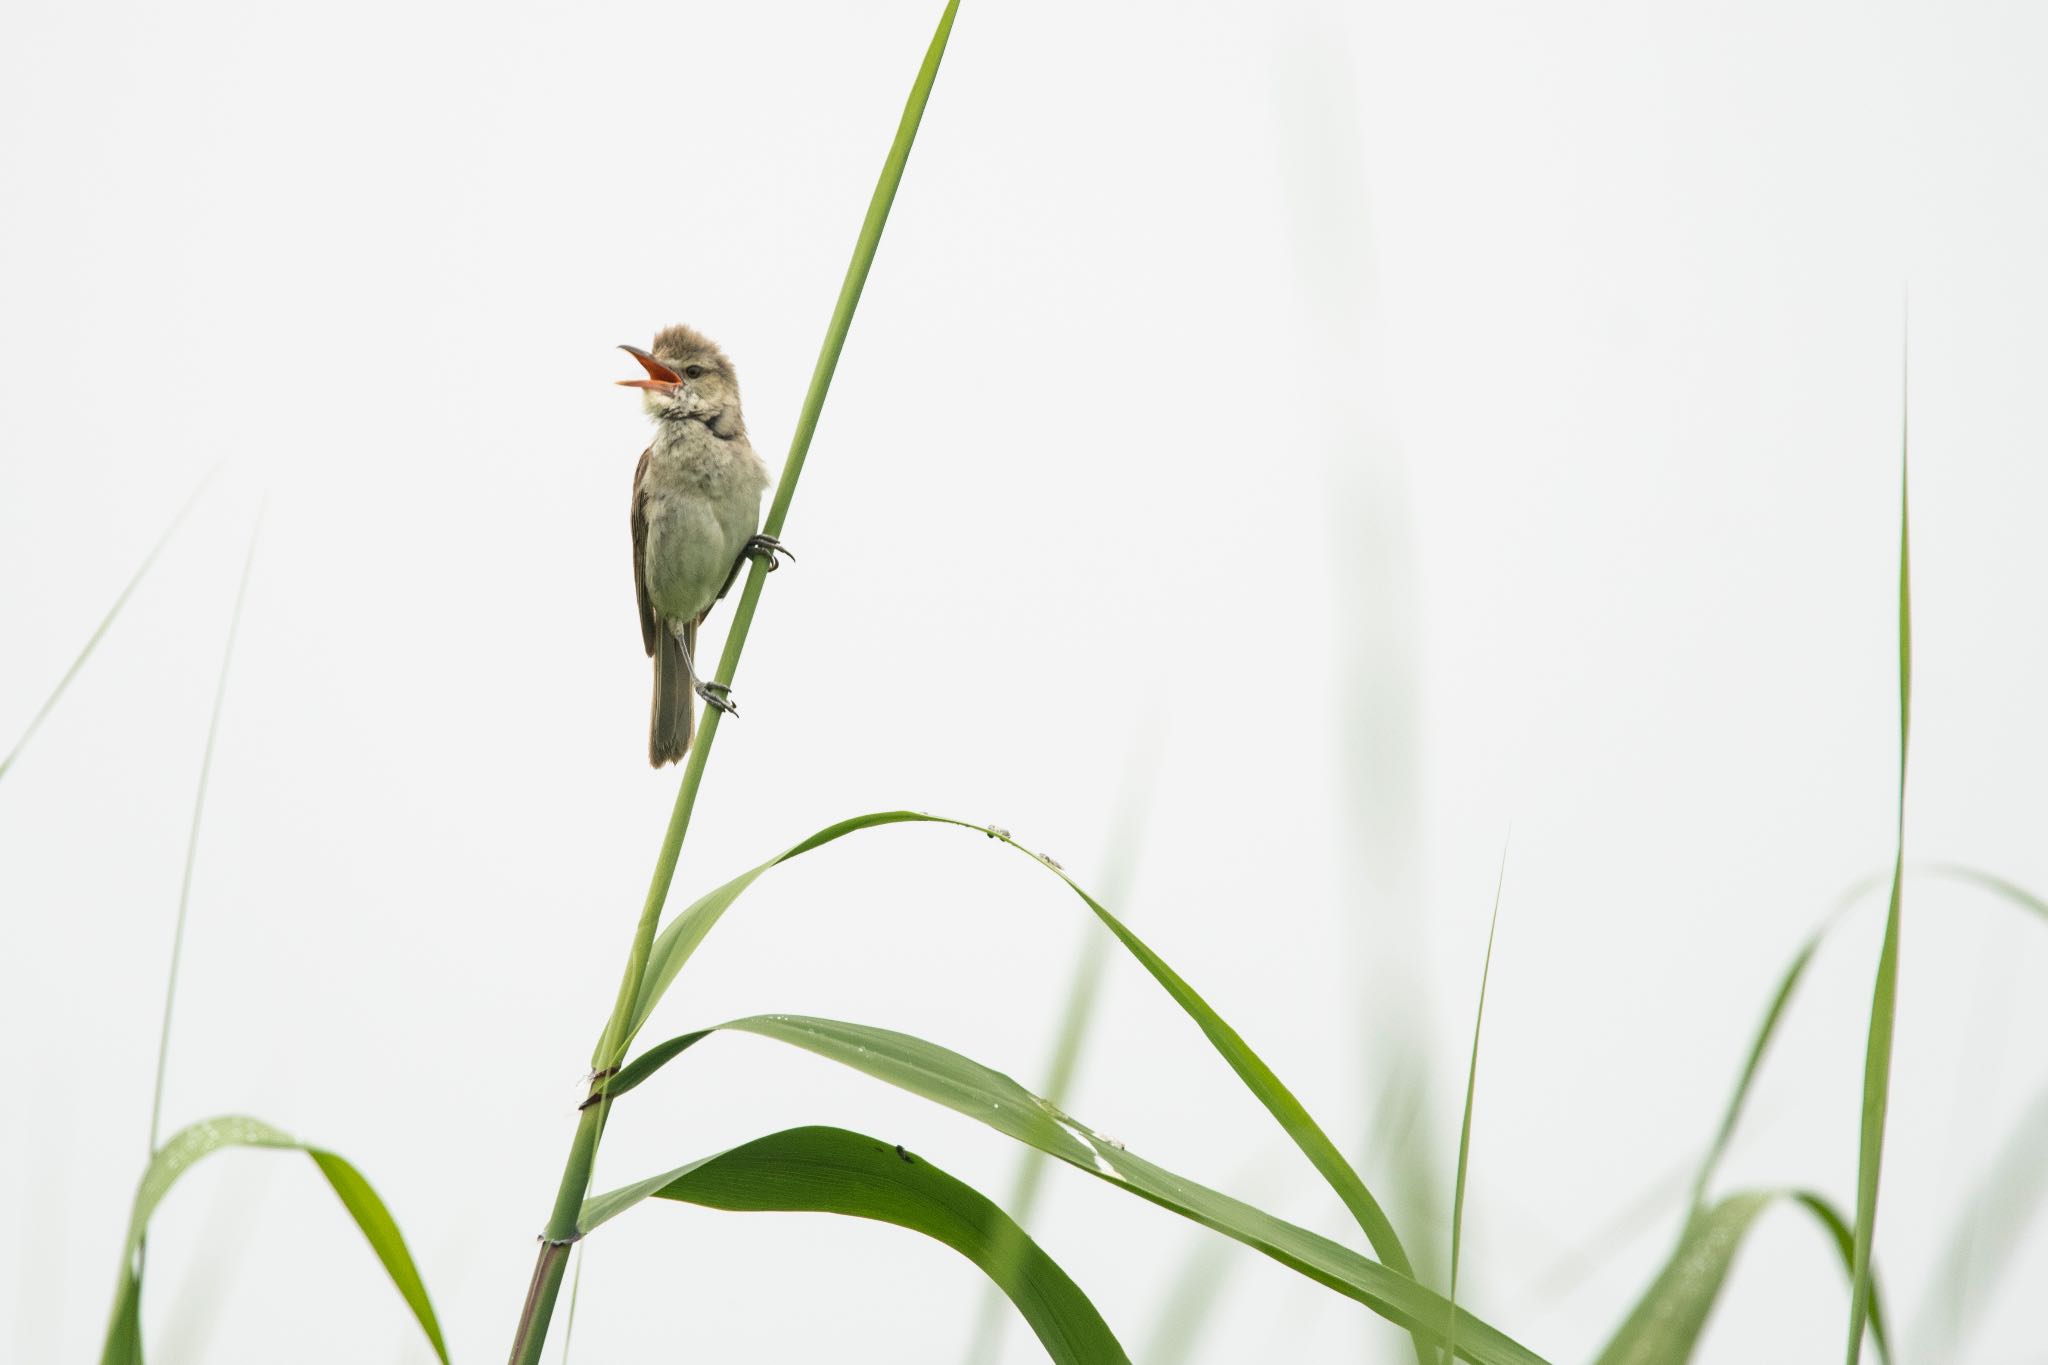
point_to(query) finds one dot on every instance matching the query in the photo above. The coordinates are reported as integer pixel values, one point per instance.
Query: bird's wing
(648, 625)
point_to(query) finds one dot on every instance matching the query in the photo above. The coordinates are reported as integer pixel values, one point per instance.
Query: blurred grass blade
(829, 1170)
(1084, 987)
(1884, 1003)
(189, 1145)
(220, 693)
(673, 948)
(1787, 986)
(1985, 1237)
(967, 1087)
(1190, 1300)
(1577, 1263)
(92, 642)
(1465, 1126)
(1665, 1325)
(1989, 881)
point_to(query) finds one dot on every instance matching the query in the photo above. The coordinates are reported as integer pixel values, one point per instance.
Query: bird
(696, 520)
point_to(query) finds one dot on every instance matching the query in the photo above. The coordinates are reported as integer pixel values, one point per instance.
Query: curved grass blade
(1465, 1125)
(1787, 986)
(1988, 881)
(829, 1170)
(92, 642)
(966, 1086)
(1665, 1325)
(1884, 1002)
(189, 1145)
(677, 942)
(220, 694)
(1979, 1249)
(1190, 1298)
(1571, 1268)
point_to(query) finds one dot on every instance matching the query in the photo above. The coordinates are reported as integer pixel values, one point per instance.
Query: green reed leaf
(829, 1170)
(191, 1144)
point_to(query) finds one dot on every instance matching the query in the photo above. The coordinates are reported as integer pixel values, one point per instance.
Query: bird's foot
(718, 697)
(766, 548)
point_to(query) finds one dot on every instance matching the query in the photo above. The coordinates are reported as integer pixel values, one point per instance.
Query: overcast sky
(1357, 431)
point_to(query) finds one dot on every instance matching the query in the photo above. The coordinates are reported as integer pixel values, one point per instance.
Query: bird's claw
(766, 548)
(718, 697)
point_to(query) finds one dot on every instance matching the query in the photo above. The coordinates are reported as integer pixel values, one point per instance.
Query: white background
(1357, 432)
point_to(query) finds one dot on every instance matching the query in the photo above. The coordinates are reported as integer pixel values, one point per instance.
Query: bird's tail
(674, 696)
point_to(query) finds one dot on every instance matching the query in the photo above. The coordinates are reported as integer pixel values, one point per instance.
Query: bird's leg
(764, 548)
(716, 695)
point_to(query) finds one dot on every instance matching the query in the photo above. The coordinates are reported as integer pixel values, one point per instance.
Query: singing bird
(696, 520)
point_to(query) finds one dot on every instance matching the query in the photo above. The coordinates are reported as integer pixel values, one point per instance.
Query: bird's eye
(693, 371)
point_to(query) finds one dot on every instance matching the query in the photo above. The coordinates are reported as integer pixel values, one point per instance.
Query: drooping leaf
(829, 1170)
(996, 1100)
(680, 939)
(189, 1145)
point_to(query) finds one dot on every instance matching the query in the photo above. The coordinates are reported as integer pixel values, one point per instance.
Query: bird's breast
(701, 496)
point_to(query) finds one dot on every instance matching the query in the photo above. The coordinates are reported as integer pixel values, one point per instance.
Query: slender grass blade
(93, 641)
(1979, 1250)
(220, 692)
(1989, 881)
(1190, 1300)
(1884, 1003)
(1084, 987)
(1465, 1125)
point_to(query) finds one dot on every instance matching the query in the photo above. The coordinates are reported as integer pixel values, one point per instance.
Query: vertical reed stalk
(562, 1231)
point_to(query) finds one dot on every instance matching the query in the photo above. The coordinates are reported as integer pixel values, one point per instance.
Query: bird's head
(688, 379)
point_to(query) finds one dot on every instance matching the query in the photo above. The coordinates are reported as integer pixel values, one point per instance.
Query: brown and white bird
(696, 518)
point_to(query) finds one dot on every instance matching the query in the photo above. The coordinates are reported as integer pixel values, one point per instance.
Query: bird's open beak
(660, 377)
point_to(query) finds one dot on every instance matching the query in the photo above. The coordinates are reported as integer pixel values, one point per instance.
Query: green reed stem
(562, 1223)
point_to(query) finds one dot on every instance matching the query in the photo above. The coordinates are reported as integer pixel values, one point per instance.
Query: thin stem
(985, 1345)
(562, 1227)
(220, 692)
(575, 1292)
(1450, 1354)
(92, 643)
